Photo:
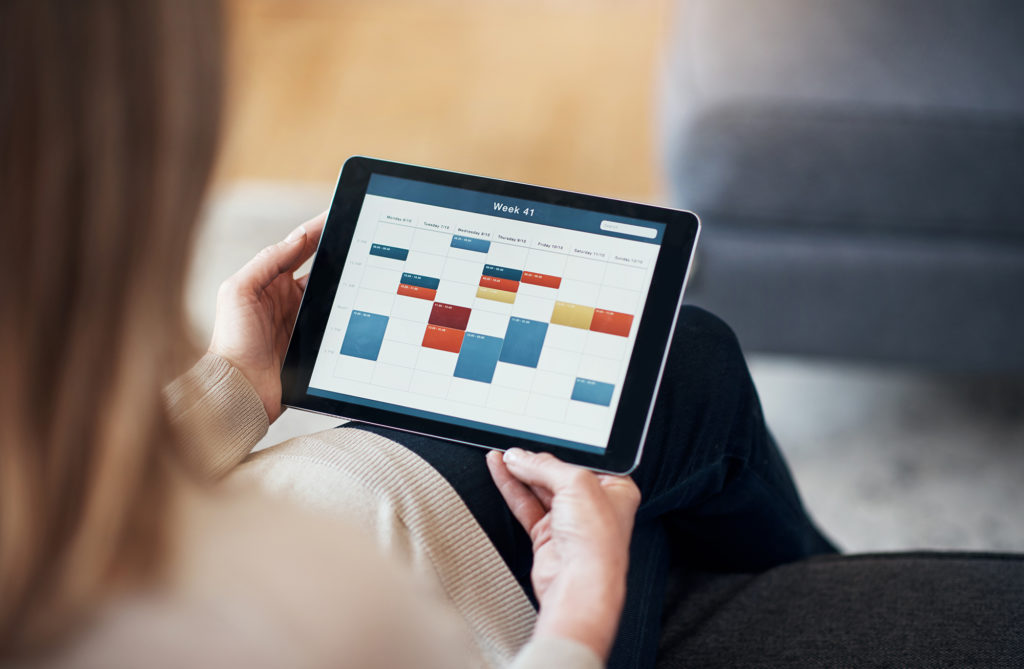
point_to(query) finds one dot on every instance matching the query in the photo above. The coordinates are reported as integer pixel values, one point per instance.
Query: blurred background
(857, 167)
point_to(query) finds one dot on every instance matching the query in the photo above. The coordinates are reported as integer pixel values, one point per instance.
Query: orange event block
(417, 291)
(545, 280)
(443, 339)
(611, 322)
(498, 283)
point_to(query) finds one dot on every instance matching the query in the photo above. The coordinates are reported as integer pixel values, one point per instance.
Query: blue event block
(524, 340)
(420, 280)
(478, 357)
(385, 251)
(593, 392)
(503, 272)
(470, 244)
(364, 335)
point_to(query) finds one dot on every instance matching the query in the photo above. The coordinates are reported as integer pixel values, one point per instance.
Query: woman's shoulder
(258, 582)
(322, 583)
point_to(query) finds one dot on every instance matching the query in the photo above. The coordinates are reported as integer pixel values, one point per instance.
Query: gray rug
(892, 459)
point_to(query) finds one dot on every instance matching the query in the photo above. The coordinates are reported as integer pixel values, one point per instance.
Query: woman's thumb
(272, 262)
(542, 469)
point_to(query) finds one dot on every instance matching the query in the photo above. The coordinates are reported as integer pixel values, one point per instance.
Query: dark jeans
(717, 494)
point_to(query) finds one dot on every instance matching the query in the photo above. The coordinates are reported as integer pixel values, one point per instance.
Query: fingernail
(514, 455)
(296, 234)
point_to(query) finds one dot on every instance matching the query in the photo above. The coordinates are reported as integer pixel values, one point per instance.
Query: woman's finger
(524, 505)
(281, 258)
(312, 228)
(544, 470)
(616, 482)
(302, 281)
(623, 493)
(543, 494)
(270, 263)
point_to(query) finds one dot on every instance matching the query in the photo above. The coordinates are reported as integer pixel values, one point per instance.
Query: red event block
(611, 322)
(443, 339)
(449, 316)
(416, 291)
(499, 283)
(545, 280)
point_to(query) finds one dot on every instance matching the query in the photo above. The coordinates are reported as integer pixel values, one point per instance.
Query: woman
(116, 547)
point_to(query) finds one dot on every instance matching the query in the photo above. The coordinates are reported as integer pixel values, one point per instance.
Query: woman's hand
(580, 523)
(256, 309)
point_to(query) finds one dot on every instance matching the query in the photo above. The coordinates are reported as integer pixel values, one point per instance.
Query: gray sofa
(898, 610)
(859, 168)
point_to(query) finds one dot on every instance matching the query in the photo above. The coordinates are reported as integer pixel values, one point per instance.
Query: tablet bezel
(646, 365)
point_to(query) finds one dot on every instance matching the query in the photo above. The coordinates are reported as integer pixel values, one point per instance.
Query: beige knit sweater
(371, 486)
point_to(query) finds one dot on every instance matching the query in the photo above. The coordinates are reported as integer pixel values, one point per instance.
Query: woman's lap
(711, 470)
(466, 471)
(717, 493)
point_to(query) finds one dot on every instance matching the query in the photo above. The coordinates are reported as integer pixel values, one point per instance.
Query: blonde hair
(108, 124)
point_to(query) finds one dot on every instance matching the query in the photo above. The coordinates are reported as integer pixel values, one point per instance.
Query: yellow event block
(495, 294)
(573, 315)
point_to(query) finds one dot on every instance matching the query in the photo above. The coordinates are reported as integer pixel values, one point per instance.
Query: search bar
(629, 229)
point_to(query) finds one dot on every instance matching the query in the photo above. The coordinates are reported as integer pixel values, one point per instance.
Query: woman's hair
(109, 113)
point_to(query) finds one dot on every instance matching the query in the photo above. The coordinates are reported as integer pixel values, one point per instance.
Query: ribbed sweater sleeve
(217, 414)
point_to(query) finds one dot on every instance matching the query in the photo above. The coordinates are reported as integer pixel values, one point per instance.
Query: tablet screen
(485, 311)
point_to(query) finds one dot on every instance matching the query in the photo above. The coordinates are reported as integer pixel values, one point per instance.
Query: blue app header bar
(557, 216)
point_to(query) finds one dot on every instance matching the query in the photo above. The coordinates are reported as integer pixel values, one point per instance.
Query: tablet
(490, 313)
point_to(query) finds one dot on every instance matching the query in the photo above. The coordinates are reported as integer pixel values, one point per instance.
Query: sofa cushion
(821, 168)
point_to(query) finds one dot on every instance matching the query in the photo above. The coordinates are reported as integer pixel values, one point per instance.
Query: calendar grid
(487, 319)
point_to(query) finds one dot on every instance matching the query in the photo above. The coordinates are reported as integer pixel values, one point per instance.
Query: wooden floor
(553, 92)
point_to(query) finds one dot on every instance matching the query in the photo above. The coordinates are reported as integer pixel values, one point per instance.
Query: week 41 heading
(514, 209)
